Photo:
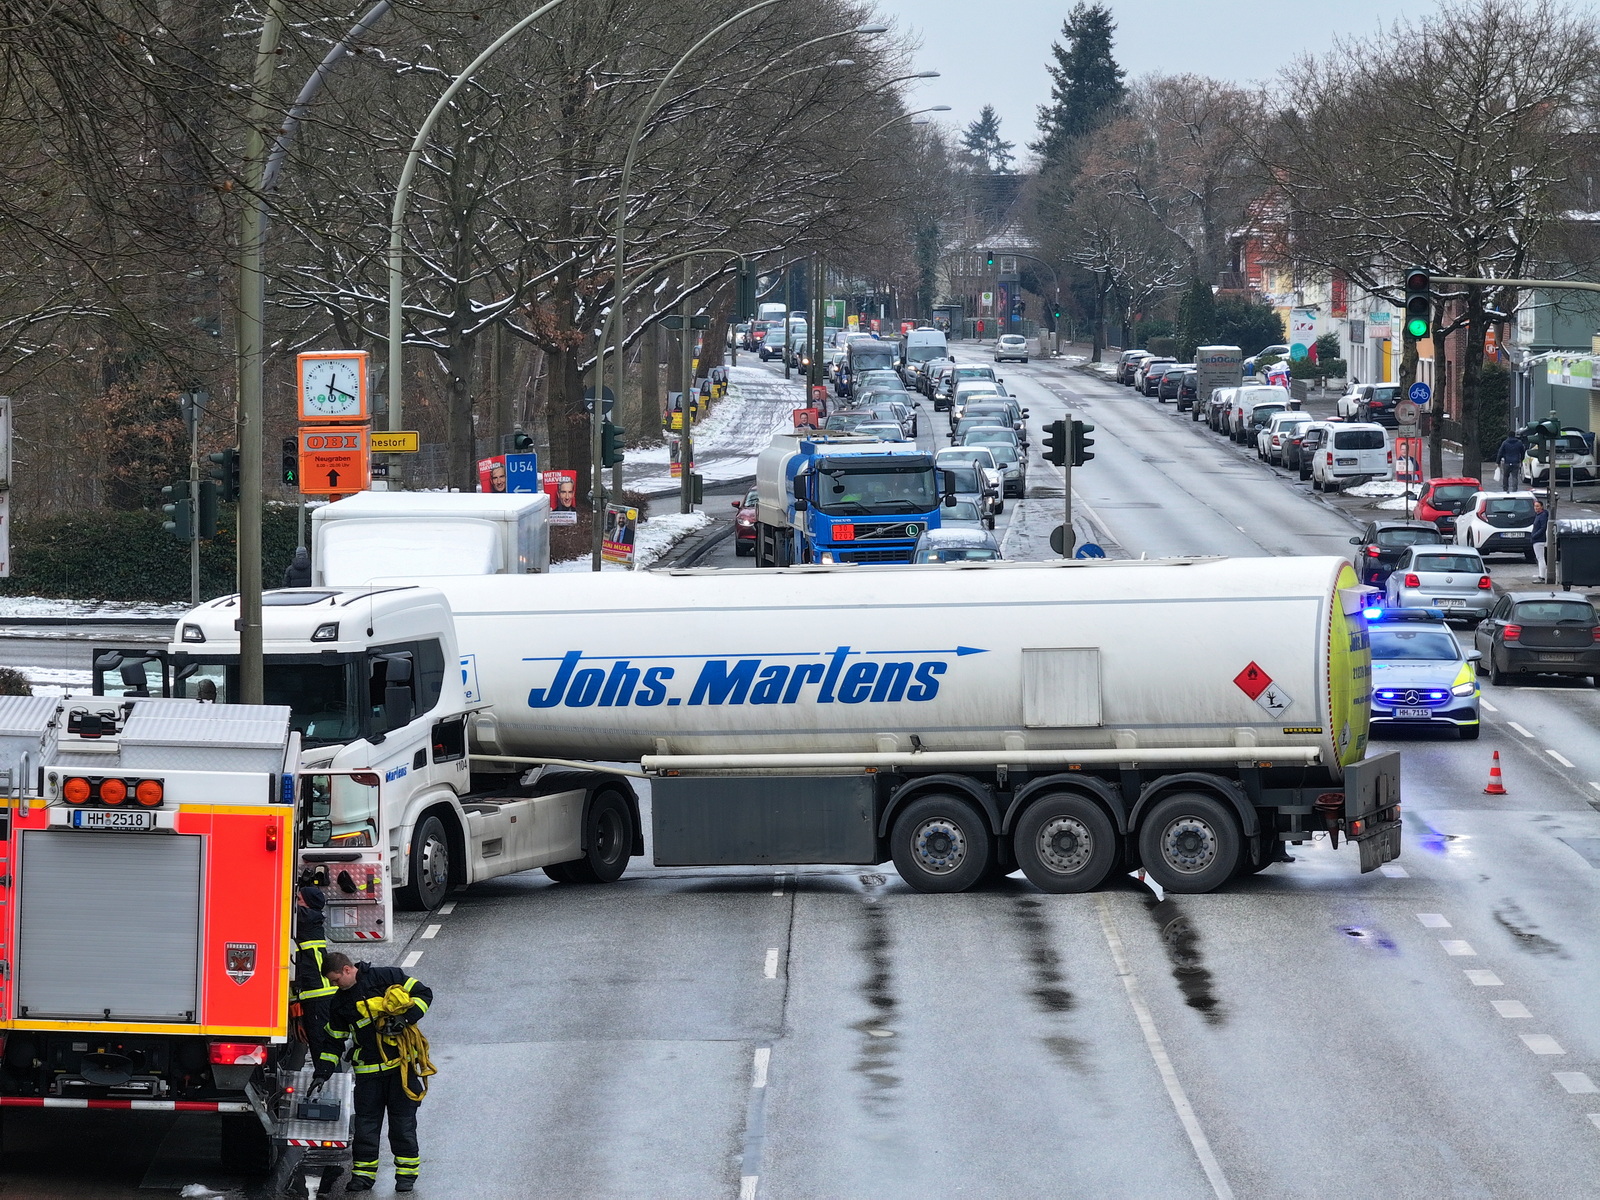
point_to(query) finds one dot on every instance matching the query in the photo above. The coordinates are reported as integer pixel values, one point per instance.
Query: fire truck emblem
(241, 960)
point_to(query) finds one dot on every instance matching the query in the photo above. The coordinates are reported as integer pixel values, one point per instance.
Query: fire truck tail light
(75, 790)
(113, 791)
(238, 1054)
(149, 792)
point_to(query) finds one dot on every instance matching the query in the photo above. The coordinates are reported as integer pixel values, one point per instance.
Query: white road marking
(1519, 729)
(1395, 871)
(1484, 979)
(1541, 1043)
(1486, 705)
(747, 1186)
(1563, 760)
(777, 884)
(771, 969)
(1458, 949)
(758, 1071)
(1513, 1010)
(1575, 1082)
(1594, 785)
(431, 932)
(1594, 1118)
(448, 907)
(1433, 921)
(1158, 1052)
(411, 959)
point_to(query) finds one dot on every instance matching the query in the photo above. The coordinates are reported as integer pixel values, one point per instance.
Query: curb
(89, 620)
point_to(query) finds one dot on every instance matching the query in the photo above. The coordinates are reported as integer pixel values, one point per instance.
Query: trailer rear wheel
(940, 844)
(429, 876)
(1189, 843)
(1065, 843)
(607, 840)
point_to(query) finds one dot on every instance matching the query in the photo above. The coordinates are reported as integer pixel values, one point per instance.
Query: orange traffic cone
(1495, 788)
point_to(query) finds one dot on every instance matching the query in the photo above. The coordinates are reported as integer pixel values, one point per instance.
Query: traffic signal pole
(1069, 538)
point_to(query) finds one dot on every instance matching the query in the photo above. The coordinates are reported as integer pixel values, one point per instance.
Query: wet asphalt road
(1424, 1031)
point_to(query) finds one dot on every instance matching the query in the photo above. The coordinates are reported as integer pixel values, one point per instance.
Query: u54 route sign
(334, 459)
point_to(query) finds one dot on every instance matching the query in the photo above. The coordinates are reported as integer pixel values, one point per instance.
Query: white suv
(1498, 523)
(1270, 441)
(1354, 453)
(1012, 345)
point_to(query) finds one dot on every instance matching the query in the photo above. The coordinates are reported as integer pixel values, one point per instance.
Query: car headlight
(1466, 681)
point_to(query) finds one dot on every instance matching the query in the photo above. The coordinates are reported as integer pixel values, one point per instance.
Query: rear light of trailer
(113, 791)
(76, 791)
(96, 789)
(238, 1054)
(1513, 633)
(149, 792)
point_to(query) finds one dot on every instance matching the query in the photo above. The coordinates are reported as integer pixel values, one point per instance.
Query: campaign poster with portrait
(492, 474)
(616, 543)
(562, 488)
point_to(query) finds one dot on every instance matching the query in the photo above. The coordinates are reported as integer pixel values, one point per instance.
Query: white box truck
(370, 534)
(1214, 367)
(1055, 717)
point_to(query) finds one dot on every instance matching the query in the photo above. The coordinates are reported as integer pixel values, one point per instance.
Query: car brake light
(1483, 509)
(1391, 457)
(1413, 582)
(1483, 582)
(1513, 633)
(1372, 552)
(238, 1054)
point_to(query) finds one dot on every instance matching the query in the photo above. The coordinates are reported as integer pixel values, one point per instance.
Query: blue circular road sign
(1419, 393)
(1089, 550)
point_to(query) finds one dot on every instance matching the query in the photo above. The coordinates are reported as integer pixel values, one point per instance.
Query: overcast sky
(997, 55)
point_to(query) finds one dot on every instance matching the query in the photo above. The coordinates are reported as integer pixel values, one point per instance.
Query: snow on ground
(40, 606)
(1378, 488)
(726, 443)
(58, 681)
(654, 538)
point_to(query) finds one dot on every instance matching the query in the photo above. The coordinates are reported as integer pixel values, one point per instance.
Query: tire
(940, 843)
(743, 551)
(1189, 844)
(1469, 733)
(1498, 677)
(1304, 474)
(607, 839)
(429, 877)
(1065, 843)
(1316, 484)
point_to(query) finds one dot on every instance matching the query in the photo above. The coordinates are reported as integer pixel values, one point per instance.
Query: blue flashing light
(1372, 614)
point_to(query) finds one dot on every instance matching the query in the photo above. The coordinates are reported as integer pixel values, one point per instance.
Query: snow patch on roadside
(727, 442)
(655, 537)
(43, 606)
(1377, 488)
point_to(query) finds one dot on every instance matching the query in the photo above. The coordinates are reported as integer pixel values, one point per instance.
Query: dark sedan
(1383, 542)
(1171, 380)
(1540, 633)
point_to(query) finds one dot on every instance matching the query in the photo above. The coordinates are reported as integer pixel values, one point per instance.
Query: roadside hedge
(112, 555)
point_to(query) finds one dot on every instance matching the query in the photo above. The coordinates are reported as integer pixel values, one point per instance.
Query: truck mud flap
(294, 1129)
(1379, 846)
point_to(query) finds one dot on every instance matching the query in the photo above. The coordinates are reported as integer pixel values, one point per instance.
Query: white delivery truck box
(373, 535)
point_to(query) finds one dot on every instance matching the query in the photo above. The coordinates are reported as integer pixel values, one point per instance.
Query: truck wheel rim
(1065, 845)
(940, 846)
(608, 837)
(435, 864)
(1189, 844)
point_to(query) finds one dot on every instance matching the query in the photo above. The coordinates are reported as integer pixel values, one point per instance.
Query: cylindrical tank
(1014, 656)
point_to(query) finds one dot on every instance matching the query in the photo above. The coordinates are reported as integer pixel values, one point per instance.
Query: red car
(1443, 500)
(744, 524)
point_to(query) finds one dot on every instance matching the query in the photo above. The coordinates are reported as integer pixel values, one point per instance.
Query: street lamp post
(908, 116)
(1056, 281)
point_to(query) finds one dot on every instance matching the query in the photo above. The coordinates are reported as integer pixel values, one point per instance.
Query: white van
(921, 345)
(1354, 453)
(1246, 398)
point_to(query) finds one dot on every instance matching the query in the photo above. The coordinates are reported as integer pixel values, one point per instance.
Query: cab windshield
(318, 690)
(843, 491)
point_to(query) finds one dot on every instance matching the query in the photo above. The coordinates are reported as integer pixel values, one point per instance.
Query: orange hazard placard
(335, 459)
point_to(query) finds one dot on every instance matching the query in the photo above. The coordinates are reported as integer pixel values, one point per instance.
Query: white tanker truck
(1058, 717)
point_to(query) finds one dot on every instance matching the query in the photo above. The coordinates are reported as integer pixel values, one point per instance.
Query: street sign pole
(1069, 538)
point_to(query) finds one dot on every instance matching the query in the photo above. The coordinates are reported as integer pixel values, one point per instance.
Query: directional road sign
(395, 441)
(335, 460)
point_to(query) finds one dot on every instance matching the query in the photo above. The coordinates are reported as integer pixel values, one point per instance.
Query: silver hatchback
(1450, 578)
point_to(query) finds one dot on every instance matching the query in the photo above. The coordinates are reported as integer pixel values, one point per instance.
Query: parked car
(1129, 363)
(1253, 419)
(1421, 677)
(1013, 346)
(1217, 408)
(1313, 436)
(1171, 380)
(1540, 633)
(1188, 390)
(1372, 402)
(744, 524)
(1248, 395)
(1155, 376)
(1450, 578)
(1141, 374)
(1380, 545)
(1353, 453)
(1574, 455)
(1497, 523)
(1295, 454)
(1274, 435)
(1442, 500)
(956, 546)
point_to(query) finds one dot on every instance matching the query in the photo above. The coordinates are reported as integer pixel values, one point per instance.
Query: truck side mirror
(396, 704)
(319, 832)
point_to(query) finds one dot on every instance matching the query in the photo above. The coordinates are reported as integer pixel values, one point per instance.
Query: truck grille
(1412, 697)
(876, 556)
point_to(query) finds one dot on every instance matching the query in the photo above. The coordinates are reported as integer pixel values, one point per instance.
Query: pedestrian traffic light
(1055, 443)
(180, 513)
(291, 461)
(206, 511)
(611, 438)
(225, 470)
(1419, 303)
(1081, 441)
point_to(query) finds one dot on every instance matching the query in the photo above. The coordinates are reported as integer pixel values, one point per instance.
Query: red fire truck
(149, 853)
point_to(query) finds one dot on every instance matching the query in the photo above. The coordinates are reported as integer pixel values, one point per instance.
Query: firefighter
(311, 987)
(378, 1007)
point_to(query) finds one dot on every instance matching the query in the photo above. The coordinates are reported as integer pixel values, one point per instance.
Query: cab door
(342, 847)
(141, 672)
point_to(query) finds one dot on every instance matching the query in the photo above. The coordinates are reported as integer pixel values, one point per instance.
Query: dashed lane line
(431, 932)
(1575, 1082)
(1541, 1043)
(1487, 706)
(1458, 949)
(1433, 921)
(448, 907)
(1483, 978)
(411, 959)
(1512, 1010)
(758, 1068)
(1395, 871)
(1560, 758)
(770, 970)
(1519, 729)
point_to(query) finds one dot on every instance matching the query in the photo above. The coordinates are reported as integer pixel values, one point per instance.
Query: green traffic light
(1417, 327)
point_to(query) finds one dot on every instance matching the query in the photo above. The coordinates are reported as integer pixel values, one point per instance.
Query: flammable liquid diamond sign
(1252, 681)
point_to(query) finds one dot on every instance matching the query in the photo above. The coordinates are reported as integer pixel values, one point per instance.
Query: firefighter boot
(405, 1183)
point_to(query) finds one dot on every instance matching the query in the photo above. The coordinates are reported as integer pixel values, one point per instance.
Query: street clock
(333, 385)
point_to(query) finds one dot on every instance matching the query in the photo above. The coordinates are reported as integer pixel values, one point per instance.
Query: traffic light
(746, 303)
(225, 471)
(1541, 432)
(291, 461)
(1419, 303)
(206, 510)
(180, 513)
(1081, 441)
(520, 441)
(1055, 443)
(991, 258)
(611, 438)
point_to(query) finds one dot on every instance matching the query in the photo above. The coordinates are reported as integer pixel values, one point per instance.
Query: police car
(1421, 677)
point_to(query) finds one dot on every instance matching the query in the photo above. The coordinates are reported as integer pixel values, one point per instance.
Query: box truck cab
(372, 535)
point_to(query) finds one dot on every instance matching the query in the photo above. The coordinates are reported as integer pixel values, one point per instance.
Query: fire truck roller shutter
(109, 921)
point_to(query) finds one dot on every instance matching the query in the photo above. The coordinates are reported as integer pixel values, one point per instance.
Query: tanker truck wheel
(941, 844)
(430, 868)
(607, 839)
(1189, 844)
(1065, 843)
